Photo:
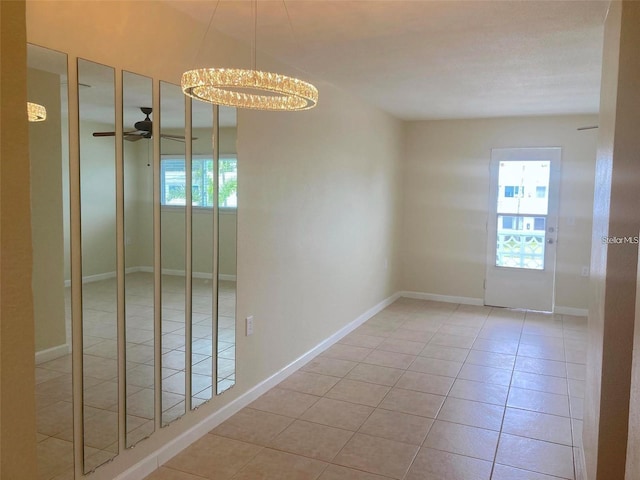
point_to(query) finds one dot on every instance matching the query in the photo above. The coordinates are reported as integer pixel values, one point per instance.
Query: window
(539, 223)
(173, 182)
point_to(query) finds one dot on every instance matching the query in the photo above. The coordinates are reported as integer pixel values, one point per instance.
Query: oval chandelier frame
(225, 86)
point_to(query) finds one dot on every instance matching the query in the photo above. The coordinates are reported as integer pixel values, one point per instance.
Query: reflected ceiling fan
(143, 129)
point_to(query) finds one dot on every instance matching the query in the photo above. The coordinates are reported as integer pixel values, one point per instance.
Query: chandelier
(35, 112)
(254, 89)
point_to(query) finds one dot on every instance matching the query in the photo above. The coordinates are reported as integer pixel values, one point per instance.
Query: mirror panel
(226, 244)
(202, 299)
(49, 158)
(99, 289)
(213, 246)
(138, 234)
(173, 196)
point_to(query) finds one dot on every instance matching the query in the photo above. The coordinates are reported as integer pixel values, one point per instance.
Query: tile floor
(53, 379)
(422, 391)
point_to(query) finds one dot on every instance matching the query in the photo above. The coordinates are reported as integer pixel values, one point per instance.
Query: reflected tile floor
(53, 378)
(422, 391)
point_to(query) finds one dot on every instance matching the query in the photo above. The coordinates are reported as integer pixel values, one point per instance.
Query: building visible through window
(173, 182)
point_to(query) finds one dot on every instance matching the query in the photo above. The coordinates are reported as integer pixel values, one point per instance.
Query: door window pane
(520, 242)
(523, 187)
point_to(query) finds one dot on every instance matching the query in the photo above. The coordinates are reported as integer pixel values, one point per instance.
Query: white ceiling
(425, 59)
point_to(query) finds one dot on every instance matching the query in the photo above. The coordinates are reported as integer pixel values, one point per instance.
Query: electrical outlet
(249, 325)
(585, 271)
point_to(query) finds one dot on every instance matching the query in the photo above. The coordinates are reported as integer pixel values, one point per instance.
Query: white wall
(446, 201)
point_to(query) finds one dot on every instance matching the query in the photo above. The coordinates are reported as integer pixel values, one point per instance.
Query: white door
(522, 228)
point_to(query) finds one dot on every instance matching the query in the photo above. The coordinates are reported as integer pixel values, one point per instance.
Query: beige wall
(138, 211)
(98, 197)
(17, 400)
(317, 224)
(612, 310)
(319, 192)
(446, 201)
(45, 151)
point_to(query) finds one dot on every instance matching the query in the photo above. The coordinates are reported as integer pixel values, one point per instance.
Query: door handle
(550, 241)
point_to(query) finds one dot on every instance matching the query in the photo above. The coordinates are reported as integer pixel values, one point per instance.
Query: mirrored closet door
(134, 258)
(49, 158)
(97, 141)
(137, 141)
(174, 194)
(203, 301)
(226, 242)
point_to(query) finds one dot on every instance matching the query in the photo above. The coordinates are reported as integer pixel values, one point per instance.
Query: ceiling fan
(143, 129)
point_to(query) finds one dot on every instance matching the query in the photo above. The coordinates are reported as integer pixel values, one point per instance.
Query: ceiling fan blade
(181, 137)
(133, 138)
(173, 138)
(112, 134)
(588, 128)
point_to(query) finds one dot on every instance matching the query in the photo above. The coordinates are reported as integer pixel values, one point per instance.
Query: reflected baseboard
(52, 353)
(165, 271)
(171, 449)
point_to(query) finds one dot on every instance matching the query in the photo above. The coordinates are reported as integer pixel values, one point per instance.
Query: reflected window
(173, 181)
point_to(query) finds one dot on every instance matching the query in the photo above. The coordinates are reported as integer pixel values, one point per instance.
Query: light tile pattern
(53, 388)
(422, 391)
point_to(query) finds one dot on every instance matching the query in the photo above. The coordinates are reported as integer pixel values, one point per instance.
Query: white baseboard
(52, 353)
(175, 446)
(165, 271)
(578, 312)
(443, 298)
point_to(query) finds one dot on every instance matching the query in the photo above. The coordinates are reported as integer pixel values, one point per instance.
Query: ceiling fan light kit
(36, 112)
(143, 129)
(233, 87)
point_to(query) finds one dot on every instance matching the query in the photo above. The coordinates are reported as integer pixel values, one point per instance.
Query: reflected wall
(145, 265)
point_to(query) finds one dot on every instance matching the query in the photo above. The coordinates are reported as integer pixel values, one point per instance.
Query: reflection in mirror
(227, 228)
(49, 157)
(138, 234)
(173, 229)
(203, 188)
(99, 289)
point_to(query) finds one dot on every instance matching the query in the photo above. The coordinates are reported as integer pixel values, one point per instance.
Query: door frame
(503, 286)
